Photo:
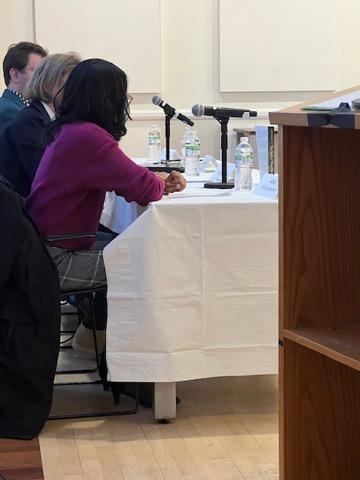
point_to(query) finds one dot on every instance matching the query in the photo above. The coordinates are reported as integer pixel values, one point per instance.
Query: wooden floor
(20, 459)
(226, 429)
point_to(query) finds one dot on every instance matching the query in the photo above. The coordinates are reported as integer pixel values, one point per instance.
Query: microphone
(169, 110)
(219, 112)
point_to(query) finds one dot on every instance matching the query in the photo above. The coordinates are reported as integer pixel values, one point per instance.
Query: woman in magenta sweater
(80, 165)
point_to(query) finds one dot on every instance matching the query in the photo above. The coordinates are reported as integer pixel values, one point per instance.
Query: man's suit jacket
(22, 144)
(10, 105)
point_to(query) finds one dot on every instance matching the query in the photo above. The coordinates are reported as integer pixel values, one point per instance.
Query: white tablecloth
(192, 289)
(117, 213)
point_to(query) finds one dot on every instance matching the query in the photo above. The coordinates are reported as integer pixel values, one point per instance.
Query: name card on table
(217, 177)
(268, 186)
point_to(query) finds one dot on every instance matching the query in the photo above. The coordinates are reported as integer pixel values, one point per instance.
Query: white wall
(190, 65)
(350, 67)
(16, 24)
(129, 34)
(269, 46)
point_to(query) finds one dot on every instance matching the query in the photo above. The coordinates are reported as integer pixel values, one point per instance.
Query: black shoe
(116, 388)
(145, 392)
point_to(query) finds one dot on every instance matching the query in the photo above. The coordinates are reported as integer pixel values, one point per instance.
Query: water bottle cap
(244, 139)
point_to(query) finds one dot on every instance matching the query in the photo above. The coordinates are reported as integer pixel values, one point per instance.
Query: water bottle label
(154, 140)
(246, 158)
(188, 150)
(192, 150)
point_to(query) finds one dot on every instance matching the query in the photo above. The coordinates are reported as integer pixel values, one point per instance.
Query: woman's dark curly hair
(96, 91)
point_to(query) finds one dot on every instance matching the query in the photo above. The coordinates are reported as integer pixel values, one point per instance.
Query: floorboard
(20, 459)
(226, 429)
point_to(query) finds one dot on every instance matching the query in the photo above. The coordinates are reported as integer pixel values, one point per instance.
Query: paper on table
(334, 102)
(200, 192)
(217, 175)
(143, 161)
(202, 178)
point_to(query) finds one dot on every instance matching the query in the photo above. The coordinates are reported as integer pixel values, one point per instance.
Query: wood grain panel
(320, 227)
(321, 417)
(21, 459)
(339, 343)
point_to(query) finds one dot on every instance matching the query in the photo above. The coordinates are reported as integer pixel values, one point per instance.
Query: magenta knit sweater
(68, 191)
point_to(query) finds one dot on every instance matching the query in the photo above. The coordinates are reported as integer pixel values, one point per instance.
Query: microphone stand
(223, 120)
(168, 117)
(165, 166)
(169, 113)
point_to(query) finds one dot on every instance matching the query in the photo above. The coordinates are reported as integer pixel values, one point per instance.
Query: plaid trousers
(80, 269)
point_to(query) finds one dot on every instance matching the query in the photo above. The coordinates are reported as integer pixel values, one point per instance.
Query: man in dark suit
(18, 66)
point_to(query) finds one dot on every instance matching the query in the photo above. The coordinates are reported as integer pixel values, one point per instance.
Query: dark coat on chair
(22, 144)
(29, 322)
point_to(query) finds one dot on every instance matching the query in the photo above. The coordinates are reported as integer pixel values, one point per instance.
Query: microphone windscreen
(156, 100)
(198, 110)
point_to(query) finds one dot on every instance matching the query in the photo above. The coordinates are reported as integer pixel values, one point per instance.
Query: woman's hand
(174, 182)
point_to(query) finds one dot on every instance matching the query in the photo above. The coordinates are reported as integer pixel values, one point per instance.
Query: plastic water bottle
(192, 154)
(183, 142)
(243, 165)
(154, 143)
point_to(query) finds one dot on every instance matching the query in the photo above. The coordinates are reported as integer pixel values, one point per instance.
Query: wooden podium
(319, 225)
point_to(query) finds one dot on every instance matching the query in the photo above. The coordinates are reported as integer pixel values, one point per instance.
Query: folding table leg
(164, 404)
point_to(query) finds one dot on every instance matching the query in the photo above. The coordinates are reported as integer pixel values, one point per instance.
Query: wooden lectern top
(296, 116)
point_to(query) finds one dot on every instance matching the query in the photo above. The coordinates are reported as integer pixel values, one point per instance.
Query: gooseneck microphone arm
(170, 112)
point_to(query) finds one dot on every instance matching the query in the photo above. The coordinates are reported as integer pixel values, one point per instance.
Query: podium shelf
(340, 343)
